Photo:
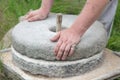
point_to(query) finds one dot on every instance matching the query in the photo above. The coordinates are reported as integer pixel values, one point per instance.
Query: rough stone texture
(56, 68)
(109, 70)
(33, 39)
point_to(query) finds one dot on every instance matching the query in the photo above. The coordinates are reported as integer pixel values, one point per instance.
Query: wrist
(44, 10)
(79, 29)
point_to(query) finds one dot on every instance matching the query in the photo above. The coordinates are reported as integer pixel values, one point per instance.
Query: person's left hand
(67, 40)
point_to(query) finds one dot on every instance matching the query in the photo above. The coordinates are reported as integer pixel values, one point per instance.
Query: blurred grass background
(11, 10)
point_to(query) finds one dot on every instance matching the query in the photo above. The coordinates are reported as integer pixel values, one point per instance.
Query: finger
(72, 49)
(29, 15)
(61, 51)
(66, 52)
(57, 47)
(34, 18)
(56, 37)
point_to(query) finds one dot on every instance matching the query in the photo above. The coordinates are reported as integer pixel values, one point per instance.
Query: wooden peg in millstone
(59, 22)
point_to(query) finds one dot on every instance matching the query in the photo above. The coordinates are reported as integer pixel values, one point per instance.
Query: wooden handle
(59, 22)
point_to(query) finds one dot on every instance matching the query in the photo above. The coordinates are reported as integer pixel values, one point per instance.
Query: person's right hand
(35, 15)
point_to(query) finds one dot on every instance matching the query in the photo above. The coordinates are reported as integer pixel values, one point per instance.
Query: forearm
(46, 5)
(88, 15)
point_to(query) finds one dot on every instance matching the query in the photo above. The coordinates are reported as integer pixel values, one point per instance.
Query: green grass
(114, 41)
(11, 10)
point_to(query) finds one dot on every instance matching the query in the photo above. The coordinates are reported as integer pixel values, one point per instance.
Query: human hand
(67, 40)
(35, 15)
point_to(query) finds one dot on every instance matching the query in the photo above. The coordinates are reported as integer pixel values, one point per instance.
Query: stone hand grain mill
(32, 50)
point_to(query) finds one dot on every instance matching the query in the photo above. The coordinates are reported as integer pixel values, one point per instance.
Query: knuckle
(61, 49)
(58, 45)
(66, 51)
(70, 42)
(64, 39)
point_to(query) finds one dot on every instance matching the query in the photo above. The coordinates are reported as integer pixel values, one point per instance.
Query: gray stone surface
(56, 68)
(117, 53)
(33, 39)
(109, 70)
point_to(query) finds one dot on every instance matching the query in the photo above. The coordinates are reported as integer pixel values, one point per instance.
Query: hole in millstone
(53, 28)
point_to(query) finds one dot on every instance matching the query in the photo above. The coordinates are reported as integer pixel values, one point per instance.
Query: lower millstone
(57, 68)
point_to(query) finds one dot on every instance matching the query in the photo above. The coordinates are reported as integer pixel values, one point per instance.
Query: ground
(11, 10)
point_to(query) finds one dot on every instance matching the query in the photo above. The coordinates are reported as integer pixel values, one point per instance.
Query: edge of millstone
(5, 50)
(117, 53)
(102, 77)
(54, 62)
(19, 60)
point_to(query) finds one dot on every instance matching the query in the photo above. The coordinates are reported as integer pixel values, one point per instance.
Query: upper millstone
(33, 38)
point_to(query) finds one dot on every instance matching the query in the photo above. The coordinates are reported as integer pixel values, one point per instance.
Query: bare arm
(89, 14)
(41, 13)
(46, 5)
(67, 39)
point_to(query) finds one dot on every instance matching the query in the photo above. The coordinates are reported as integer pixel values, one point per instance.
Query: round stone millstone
(33, 39)
(56, 68)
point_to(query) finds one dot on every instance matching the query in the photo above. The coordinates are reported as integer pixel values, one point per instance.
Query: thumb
(56, 37)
